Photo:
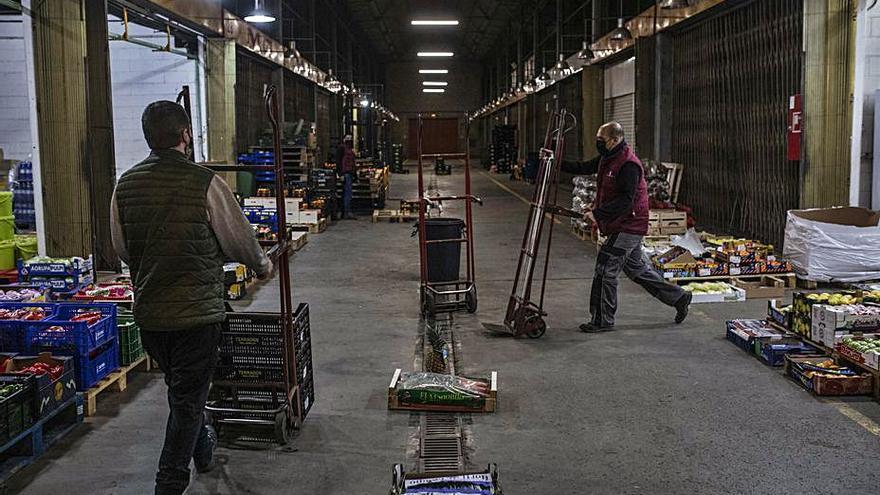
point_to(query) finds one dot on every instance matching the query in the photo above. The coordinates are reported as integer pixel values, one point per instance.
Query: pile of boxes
(722, 258)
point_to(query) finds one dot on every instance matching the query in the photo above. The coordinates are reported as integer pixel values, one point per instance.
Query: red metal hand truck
(524, 316)
(438, 297)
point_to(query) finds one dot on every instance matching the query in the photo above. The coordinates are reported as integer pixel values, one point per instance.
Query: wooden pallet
(118, 379)
(298, 240)
(393, 216)
(311, 228)
(488, 406)
(585, 235)
(789, 279)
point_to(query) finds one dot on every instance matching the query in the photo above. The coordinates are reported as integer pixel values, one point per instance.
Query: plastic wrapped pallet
(834, 244)
(582, 196)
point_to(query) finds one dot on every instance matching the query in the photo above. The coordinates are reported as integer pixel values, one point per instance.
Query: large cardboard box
(869, 359)
(291, 205)
(765, 288)
(308, 217)
(831, 323)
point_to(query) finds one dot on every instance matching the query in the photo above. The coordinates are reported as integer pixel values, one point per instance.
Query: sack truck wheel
(535, 327)
(282, 430)
(471, 300)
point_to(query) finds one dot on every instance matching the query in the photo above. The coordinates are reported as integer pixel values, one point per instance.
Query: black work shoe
(682, 307)
(203, 457)
(592, 328)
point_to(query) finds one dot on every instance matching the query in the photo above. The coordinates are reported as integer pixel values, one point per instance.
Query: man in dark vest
(345, 165)
(175, 223)
(621, 213)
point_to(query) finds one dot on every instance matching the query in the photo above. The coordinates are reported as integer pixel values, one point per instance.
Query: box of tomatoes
(55, 379)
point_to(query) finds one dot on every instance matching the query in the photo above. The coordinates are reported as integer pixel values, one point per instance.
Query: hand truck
(524, 316)
(436, 297)
(264, 379)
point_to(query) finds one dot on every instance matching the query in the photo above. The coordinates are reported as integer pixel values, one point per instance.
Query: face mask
(189, 146)
(601, 148)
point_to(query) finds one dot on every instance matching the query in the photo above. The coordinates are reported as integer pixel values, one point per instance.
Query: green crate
(130, 346)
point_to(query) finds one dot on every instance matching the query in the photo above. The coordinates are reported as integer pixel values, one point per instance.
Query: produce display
(827, 369)
(7, 391)
(444, 390)
(89, 316)
(23, 314)
(864, 346)
(721, 257)
(39, 368)
(832, 299)
(458, 484)
(21, 295)
(708, 288)
(115, 291)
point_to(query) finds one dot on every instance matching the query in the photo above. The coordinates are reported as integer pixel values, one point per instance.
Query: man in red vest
(621, 213)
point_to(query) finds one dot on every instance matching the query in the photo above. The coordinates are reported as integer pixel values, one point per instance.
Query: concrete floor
(651, 408)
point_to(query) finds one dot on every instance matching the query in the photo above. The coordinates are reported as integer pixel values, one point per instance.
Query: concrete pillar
(220, 94)
(74, 155)
(829, 38)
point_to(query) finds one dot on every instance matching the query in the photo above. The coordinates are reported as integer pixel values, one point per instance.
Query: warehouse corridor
(650, 408)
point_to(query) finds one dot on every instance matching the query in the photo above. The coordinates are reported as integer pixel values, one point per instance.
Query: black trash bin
(444, 258)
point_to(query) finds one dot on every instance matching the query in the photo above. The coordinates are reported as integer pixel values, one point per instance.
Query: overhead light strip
(435, 83)
(433, 90)
(437, 22)
(433, 71)
(435, 54)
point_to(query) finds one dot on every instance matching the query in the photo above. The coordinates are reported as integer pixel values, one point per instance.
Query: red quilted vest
(635, 221)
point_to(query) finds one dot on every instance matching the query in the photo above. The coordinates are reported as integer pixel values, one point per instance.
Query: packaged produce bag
(833, 244)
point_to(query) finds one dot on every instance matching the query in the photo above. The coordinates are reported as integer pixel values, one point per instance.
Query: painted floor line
(859, 418)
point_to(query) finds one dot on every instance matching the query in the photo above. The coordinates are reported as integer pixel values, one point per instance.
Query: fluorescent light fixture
(435, 54)
(435, 83)
(433, 90)
(433, 71)
(437, 22)
(365, 102)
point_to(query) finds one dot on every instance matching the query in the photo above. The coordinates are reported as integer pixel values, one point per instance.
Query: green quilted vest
(176, 262)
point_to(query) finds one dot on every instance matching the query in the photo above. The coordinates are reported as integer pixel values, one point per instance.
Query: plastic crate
(130, 346)
(77, 337)
(13, 332)
(307, 394)
(50, 393)
(95, 365)
(16, 410)
(77, 266)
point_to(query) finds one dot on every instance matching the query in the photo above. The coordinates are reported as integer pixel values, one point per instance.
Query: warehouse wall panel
(15, 132)
(251, 122)
(140, 76)
(867, 80)
(733, 76)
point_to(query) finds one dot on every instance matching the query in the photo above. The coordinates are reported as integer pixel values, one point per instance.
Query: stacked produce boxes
(503, 151)
(236, 277)
(61, 275)
(23, 197)
(397, 159)
(722, 258)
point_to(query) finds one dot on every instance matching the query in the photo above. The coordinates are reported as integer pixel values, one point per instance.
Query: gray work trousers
(624, 251)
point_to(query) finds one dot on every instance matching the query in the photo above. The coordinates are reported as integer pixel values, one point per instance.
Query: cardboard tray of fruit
(713, 292)
(864, 350)
(822, 376)
(779, 314)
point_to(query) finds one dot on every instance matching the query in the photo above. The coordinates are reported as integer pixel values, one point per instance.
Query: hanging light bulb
(259, 15)
(674, 4)
(544, 77)
(585, 53)
(561, 66)
(620, 36)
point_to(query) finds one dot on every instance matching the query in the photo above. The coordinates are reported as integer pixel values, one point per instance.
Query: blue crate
(80, 266)
(92, 367)
(13, 332)
(773, 352)
(79, 337)
(63, 283)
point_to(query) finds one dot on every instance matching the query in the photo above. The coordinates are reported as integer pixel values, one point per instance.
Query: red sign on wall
(795, 127)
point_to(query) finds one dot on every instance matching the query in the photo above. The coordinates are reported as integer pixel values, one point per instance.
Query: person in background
(621, 213)
(345, 164)
(175, 223)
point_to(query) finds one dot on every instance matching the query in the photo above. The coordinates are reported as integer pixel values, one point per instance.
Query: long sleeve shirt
(626, 183)
(230, 226)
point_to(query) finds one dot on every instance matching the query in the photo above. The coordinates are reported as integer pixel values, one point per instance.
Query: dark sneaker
(682, 307)
(203, 457)
(591, 328)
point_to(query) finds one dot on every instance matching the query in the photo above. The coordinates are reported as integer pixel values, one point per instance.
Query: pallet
(582, 234)
(789, 279)
(27, 447)
(488, 406)
(393, 216)
(119, 380)
(311, 228)
(298, 240)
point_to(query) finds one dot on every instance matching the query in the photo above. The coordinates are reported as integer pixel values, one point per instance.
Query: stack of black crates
(397, 159)
(503, 149)
(23, 197)
(324, 187)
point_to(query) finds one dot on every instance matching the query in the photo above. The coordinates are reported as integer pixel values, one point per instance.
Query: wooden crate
(298, 240)
(385, 215)
(488, 406)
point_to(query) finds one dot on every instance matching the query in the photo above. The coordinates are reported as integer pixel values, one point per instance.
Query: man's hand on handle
(588, 216)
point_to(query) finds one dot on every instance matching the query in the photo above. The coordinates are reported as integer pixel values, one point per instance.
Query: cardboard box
(308, 216)
(765, 288)
(831, 323)
(291, 205)
(736, 295)
(667, 222)
(868, 359)
(802, 369)
(776, 315)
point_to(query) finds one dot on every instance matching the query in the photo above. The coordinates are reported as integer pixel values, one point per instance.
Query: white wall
(15, 131)
(140, 76)
(867, 82)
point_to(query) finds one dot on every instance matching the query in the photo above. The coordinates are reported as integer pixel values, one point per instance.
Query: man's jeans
(347, 193)
(624, 251)
(188, 358)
